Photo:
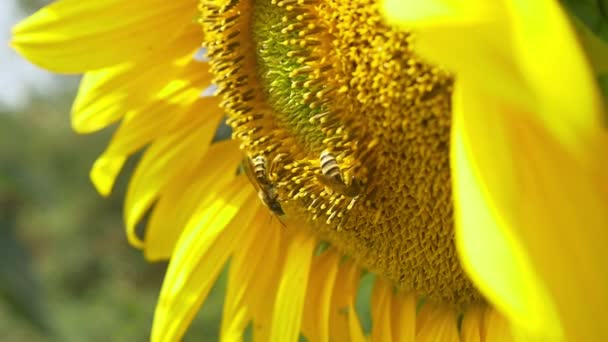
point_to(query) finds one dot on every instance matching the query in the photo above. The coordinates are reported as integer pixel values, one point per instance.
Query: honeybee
(331, 176)
(256, 169)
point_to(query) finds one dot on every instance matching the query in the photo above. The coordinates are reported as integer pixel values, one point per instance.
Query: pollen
(356, 126)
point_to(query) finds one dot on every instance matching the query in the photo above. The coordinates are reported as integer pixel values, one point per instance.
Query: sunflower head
(354, 128)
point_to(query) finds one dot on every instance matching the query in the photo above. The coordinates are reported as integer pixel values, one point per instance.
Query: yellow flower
(528, 157)
(353, 144)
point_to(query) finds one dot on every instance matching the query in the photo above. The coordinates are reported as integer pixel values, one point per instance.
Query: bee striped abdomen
(329, 167)
(260, 169)
(256, 169)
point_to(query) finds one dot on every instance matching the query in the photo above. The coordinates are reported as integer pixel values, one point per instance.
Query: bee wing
(330, 182)
(248, 168)
(347, 190)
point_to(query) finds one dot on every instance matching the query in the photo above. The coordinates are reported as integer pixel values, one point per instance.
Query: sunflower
(470, 192)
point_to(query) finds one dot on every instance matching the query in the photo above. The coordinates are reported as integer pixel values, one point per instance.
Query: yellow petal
(484, 242)
(381, 311)
(315, 323)
(472, 324)
(513, 43)
(596, 48)
(428, 13)
(263, 292)
(529, 193)
(529, 206)
(344, 323)
(496, 327)
(142, 126)
(104, 172)
(291, 292)
(184, 191)
(436, 324)
(167, 159)
(72, 36)
(440, 39)
(203, 249)
(403, 317)
(572, 93)
(354, 326)
(246, 266)
(106, 95)
(179, 97)
(134, 132)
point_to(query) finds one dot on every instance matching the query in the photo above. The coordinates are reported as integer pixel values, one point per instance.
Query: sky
(18, 78)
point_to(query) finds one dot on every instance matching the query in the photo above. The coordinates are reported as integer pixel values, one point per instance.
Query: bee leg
(276, 165)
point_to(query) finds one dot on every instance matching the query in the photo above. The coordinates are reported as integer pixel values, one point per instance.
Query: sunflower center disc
(355, 129)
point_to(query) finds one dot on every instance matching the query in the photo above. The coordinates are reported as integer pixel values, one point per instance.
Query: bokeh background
(66, 270)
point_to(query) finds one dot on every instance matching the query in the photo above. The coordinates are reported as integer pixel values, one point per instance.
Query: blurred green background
(66, 270)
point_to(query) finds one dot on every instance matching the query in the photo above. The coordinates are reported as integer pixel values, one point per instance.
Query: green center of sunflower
(353, 128)
(284, 74)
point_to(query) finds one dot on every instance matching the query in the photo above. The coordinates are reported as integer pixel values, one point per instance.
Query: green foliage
(63, 234)
(19, 286)
(590, 18)
(593, 13)
(363, 300)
